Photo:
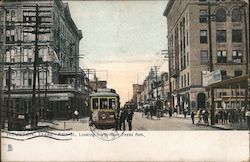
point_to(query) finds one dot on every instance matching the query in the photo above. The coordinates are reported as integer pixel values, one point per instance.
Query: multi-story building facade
(60, 84)
(188, 46)
(137, 89)
(164, 93)
(153, 88)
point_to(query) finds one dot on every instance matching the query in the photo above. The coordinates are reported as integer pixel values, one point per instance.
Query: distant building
(137, 89)
(188, 47)
(164, 93)
(61, 86)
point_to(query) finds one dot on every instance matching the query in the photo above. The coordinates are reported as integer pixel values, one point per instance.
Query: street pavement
(166, 123)
(139, 124)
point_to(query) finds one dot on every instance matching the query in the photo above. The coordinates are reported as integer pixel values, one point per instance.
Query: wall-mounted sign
(210, 77)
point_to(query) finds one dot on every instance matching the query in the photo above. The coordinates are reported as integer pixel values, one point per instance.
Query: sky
(122, 40)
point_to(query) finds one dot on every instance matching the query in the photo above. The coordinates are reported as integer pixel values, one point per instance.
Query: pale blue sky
(123, 37)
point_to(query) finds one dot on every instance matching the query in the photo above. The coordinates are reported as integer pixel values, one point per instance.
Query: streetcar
(104, 106)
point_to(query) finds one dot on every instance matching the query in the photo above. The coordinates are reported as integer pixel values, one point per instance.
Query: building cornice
(168, 8)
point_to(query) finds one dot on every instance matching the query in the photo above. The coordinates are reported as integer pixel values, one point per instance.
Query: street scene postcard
(125, 80)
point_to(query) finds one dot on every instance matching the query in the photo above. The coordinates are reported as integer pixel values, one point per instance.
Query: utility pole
(39, 24)
(9, 116)
(247, 35)
(211, 67)
(34, 112)
(2, 51)
(157, 86)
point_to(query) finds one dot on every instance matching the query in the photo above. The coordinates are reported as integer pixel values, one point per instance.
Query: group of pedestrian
(202, 115)
(225, 116)
(126, 115)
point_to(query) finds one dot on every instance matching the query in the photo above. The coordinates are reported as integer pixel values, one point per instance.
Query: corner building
(61, 86)
(188, 46)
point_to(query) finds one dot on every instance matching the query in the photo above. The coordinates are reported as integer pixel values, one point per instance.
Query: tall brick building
(61, 85)
(188, 47)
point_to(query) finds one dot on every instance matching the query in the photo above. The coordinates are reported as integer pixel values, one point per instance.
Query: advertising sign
(210, 77)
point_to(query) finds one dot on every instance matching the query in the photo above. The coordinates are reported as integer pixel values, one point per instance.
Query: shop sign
(210, 77)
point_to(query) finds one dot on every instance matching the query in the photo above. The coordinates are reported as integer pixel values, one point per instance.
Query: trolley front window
(112, 104)
(95, 103)
(103, 103)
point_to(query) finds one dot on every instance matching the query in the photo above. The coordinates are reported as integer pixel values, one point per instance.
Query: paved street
(165, 123)
(139, 123)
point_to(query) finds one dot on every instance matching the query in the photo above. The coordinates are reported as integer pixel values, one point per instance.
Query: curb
(218, 127)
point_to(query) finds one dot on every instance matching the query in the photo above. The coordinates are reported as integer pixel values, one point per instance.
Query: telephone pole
(211, 66)
(37, 27)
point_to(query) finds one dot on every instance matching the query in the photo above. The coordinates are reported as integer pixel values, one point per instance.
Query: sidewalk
(229, 126)
(64, 125)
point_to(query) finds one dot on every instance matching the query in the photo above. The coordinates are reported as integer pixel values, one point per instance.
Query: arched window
(13, 77)
(28, 37)
(236, 15)
(8, 55)
(221, 15)
(27, 78)
(12, 55)
(27, 55)
(42, 77)
(43, 54)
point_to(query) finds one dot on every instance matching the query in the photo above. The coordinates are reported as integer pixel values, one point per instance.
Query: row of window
(27, 77)
(221, 16)
(12, 36)
(232, 93)
(236, 73)
(11, 16)
(237, 56)
(28, 55)
(221, 36)
(185, 80)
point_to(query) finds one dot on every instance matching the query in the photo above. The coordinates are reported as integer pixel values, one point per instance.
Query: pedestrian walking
(158, 114)
(170, 112)
(248, 118)
(143, 112)
(175, 111)
(76, 113)
(225, 116)
(199, 116)
(129, 118)
(123, 117)
(185, 112)
(192, 117)
(206, 117)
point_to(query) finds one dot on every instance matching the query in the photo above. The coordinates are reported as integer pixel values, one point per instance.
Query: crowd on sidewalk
(230, 118)
(224, 118)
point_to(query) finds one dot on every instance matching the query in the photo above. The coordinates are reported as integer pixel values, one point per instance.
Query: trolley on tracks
(104, 106)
